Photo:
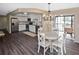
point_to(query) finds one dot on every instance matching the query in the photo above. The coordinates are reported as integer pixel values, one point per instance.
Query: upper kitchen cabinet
(35, 18)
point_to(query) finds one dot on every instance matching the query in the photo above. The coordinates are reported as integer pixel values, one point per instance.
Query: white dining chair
(46, 27)
(42, 42)
(59, 46)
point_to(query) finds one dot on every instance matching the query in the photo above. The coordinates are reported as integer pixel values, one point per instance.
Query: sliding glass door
(62, 22)
(69, 21)
(59, 23)
(65, 24)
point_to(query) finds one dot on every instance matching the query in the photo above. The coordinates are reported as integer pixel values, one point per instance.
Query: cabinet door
(22, 27)
(32, 28)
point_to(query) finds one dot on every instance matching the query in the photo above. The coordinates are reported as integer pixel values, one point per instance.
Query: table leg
(51, 47)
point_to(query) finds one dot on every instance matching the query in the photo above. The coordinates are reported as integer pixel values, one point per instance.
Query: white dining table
(51, 36)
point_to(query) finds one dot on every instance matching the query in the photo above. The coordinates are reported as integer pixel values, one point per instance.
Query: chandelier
(48, 15)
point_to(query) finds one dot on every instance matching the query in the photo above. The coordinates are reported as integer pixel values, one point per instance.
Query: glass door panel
(60, 23)
(68, 22)
(64, 22)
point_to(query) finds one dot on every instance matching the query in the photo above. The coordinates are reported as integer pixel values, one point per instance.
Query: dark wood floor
(72, 47)
(21, 44)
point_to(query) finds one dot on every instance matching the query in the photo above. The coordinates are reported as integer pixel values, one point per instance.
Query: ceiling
(9, 7)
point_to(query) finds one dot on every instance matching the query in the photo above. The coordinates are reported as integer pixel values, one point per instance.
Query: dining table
(51, 37)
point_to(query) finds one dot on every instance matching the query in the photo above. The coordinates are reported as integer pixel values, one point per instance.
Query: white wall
(3, 22)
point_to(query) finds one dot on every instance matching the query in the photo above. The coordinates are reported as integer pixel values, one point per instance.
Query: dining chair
(59, 46)
(69, 31)
(42, 42)
(46, 27)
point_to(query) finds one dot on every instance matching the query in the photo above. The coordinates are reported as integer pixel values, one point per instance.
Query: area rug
(30, 34)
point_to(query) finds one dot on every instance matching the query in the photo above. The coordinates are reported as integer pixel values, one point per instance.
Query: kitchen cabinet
(32, 28)
(22, 27)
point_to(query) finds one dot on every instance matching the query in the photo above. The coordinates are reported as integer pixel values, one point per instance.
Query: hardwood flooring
(18, 44)
(72, 47)
(21, 44)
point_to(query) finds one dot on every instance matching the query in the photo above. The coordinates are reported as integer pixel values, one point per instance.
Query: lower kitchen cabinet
(32, 28)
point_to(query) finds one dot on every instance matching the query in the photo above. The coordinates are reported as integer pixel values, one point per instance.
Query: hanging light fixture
(49, 7)
(48, 15)
(49, 11)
